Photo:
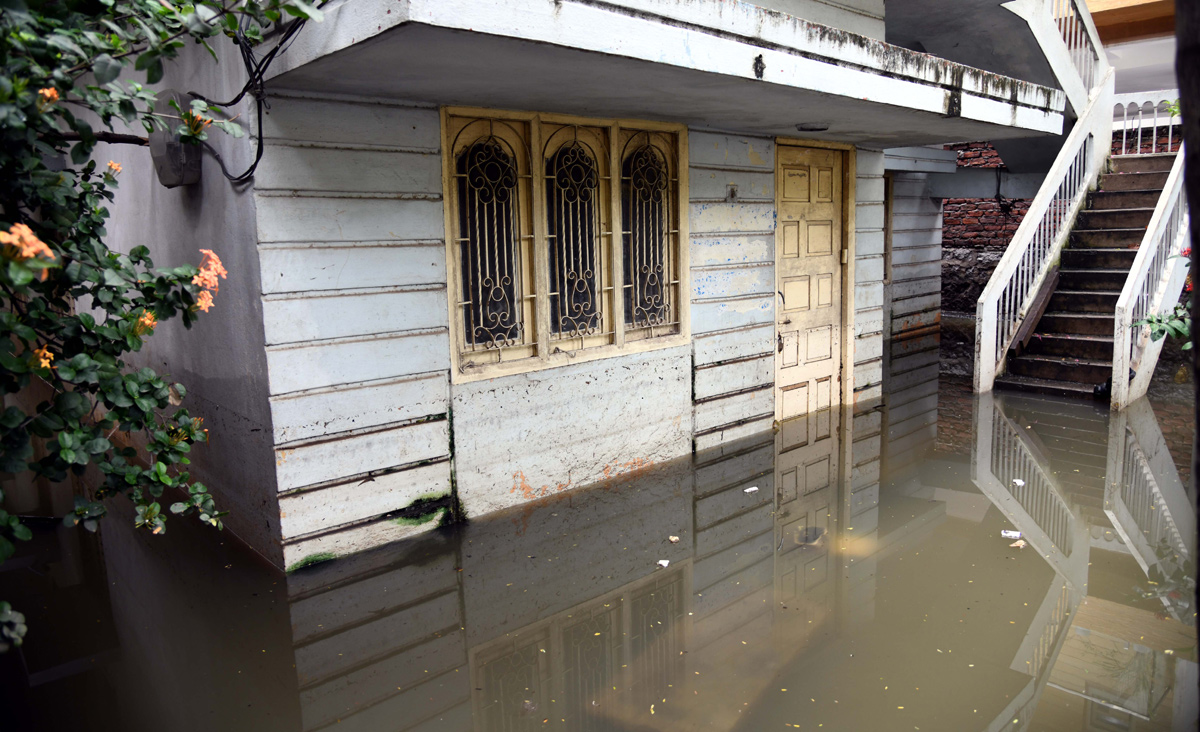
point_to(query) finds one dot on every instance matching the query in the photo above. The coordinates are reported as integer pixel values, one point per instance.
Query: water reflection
(845, 572)
(1050, 466)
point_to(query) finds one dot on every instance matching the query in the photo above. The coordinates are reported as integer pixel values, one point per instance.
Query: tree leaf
(106, 68)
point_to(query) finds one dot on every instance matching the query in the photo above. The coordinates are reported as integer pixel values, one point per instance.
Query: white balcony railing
(1152, 287)
(1067, 36)
(1143, 123)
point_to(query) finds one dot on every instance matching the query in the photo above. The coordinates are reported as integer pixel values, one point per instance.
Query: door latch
(780, 342)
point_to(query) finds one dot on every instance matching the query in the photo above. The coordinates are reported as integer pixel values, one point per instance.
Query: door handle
(780, 342)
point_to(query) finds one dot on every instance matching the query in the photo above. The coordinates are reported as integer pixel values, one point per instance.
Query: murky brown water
(841, 574)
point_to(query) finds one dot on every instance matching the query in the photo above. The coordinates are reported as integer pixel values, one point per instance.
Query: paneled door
(808, 357)
(808, 277)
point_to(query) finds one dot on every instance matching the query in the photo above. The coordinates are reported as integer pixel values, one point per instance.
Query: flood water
(840, 573)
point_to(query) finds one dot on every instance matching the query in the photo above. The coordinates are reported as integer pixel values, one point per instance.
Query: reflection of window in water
(631, 640)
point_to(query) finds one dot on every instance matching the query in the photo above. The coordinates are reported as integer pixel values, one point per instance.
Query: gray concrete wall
(354, 304)
(221, 359)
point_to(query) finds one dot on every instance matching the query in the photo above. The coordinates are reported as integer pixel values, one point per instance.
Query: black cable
(256, 70)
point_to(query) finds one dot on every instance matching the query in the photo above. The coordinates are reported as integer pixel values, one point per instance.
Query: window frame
(547, 349)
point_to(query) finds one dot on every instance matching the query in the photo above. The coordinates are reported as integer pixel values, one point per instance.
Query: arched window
(489, 250)
(645, 213)
(573, 238)
(564, 239)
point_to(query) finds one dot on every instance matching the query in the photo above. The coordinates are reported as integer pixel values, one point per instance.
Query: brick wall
(975, 233)
(976, 155)
(1168, 140)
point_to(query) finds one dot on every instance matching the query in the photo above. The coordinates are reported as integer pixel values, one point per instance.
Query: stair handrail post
(1156, 277)
(1042, 234)
(1124, 121)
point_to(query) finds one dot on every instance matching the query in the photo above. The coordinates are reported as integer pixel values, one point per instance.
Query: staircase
(1073, 438)
(1069, 351)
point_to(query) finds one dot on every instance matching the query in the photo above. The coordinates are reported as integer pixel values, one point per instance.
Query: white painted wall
(914, 302)
(530, 436)
(733, 284)
(354, 316)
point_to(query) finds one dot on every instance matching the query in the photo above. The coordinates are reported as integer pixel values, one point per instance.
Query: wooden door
(808, 358)
(808, 276)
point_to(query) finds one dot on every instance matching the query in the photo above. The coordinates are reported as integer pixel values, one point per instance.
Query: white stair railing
(1153, 286)
(1039, 240)
(1067, 36)
(1138, 118)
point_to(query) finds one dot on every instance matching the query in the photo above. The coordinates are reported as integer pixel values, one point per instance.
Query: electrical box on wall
(175, 163)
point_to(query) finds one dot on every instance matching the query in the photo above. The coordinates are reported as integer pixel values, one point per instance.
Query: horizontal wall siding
(384, 649)
(732, 254)
(869, 333)
(911, 374)
(354, 306)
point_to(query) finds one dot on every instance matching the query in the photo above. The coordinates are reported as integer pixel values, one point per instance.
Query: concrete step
(1093, 279)
(1053, 368)
(1074, 452)
(1117, 218)
(1071, 345)
(1158, 162)
(1133, 181)
(1098, 258)
(1043, 386)
(1104, 200)
(1078, 323)
(1084, 301)
(1107, 238)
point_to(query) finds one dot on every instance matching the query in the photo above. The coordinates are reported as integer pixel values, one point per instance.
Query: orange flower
(205, 301)
(145, 323)
(46, 97)
(114, 167)
(44, 357)
(196, 123)
(210, 269)
(24, 243)
(213, 262)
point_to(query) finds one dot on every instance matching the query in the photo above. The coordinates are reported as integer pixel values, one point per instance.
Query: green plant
(310, 560)
(71, 309)
(1178, 322)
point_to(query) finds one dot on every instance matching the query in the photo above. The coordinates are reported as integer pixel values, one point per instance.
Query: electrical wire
(256, 70)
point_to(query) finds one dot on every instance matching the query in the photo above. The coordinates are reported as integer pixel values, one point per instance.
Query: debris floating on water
(663, 562)
(673, 539)
(751, 489)
(1019, 544)
(1010, 533)
(1018, 482)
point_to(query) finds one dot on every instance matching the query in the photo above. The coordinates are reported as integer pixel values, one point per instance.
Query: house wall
(733, 285)
(914, 310)
(350, 228)
(354, 314)
(220, 359)
(866, 411)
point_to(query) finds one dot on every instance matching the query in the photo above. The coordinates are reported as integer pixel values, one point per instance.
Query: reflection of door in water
(808, 246)
(807, 377)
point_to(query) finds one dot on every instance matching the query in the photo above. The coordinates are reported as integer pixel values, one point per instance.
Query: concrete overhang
(692, 61)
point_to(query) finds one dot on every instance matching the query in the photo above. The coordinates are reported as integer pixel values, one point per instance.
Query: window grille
(647, 231)
(580, 259)
(575, 235)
